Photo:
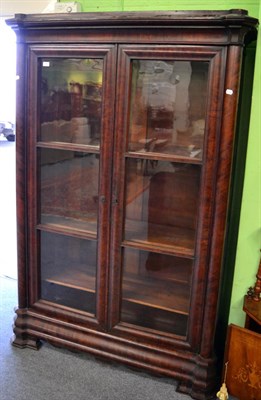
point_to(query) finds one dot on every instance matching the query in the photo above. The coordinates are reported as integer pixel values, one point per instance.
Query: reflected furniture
(126, 127)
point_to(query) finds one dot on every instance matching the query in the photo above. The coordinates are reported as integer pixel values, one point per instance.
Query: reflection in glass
(71, 95)
(69, 188)
(68, 271)
(161, 203)
(168, 106)
(156, 291)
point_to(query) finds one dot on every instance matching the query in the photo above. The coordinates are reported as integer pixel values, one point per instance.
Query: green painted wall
(249, 238)
(137, 5)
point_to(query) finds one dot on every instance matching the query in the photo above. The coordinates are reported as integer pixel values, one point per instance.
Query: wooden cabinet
(243, 363)
(125, 132)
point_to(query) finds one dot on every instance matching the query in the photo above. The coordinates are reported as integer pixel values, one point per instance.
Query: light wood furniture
(242, 370)
(126, 127)
(243, 357)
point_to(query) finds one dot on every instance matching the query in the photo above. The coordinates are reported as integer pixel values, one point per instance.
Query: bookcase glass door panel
(69, 189)
(168, 107)
(68, 271)
(163, 166)
(156, 290)
(71, 96)
(161, 203)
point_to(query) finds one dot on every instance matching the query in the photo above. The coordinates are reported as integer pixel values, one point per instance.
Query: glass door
(161, 160)
(73, 157)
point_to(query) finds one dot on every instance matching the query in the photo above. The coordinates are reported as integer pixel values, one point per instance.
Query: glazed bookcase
(126, 125)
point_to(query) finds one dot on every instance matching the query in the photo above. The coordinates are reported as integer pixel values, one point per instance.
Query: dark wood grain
(158, 231)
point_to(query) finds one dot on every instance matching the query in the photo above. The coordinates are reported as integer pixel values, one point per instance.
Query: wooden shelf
(168, 239)
(172, 157)
(164, 295)
(72, 288)
(67, 295)
(77, 280)
(69, 226)
(172, 296)
(158, 266)
(142, 316)
(87, 148)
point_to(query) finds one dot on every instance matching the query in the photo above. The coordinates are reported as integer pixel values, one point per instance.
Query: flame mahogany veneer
(158, 309)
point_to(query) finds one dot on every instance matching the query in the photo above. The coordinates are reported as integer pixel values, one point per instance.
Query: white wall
(10, 7)
(8, 254)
